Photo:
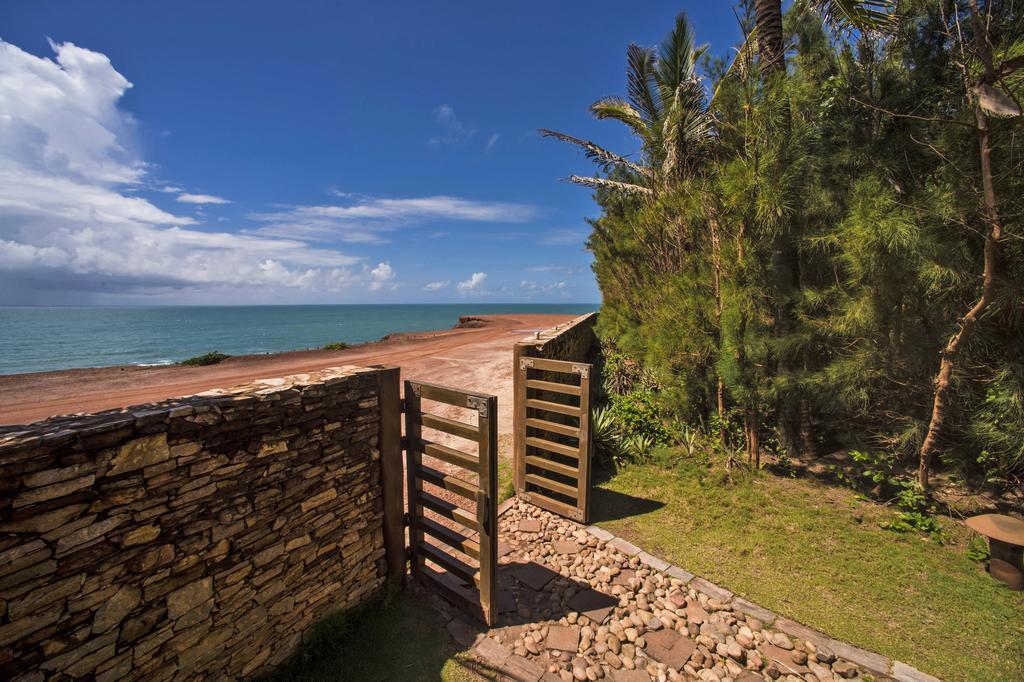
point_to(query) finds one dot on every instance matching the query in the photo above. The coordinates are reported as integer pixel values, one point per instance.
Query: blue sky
(307, 152)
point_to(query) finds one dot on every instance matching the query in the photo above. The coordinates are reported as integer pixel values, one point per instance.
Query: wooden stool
(1006, 546)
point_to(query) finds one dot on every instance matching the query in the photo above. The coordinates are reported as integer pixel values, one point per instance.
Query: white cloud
(473, 283)
(69, 222)
(368, 220)
(491, 141)
(187, 198)
(435, 286)
(381, 276)
(172, 189)
(532, 286)
(454, 131)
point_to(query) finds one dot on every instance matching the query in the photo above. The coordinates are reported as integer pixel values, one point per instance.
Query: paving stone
(563, 638)
(463, 632)
(653, 561)
(711, 589)
(905, 673)
(529, 526)
(521, 669)
(679, 573)
(491, 651)
(593, 604)
(623, 577)
(751, 609)
(630, 676)
(504, 548)
(783, 659)
(873, 662)
(627, 548)
(670, 647)
(794, 629)
(533, 575)
(600, 533)
(566, 546)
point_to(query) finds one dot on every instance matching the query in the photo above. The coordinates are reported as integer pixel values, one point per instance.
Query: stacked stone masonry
(197, 538)
(574, 341)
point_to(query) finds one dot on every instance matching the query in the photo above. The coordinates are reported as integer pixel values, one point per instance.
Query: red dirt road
(477, 359)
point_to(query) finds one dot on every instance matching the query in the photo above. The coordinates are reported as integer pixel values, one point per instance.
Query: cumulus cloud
(473, 283)
(69, 218)
(453, 130)
(381, 276)
(368, 219)
(436, 286)
(187, 198)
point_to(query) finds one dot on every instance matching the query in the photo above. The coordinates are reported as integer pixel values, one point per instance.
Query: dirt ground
(477, 359)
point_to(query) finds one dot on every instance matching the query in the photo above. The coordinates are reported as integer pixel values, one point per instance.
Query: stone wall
(195, 538)
(574, 341)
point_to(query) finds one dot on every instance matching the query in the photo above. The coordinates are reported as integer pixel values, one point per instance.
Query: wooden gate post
(486, 502)
(390, 445)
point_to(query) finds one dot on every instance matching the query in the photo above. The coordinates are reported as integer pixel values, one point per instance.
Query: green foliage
(977, 549)
(338, 345)
(809, 259)
(205, 359)
(629, 427)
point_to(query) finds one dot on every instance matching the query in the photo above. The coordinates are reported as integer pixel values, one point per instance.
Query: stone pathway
(580, 604)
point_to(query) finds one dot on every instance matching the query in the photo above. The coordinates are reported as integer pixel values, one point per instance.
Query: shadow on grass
(609, 505)
(394, 637)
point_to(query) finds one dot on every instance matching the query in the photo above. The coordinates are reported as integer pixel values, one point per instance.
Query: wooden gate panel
(552, 435)
(475, 537)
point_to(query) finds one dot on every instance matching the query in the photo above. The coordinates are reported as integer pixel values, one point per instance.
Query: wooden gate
(445, 545)
(552, 435)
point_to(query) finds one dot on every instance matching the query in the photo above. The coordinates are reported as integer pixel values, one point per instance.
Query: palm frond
(618, 109)
(614, 185)
(641, 81)
(597, 153)
(866, 15)
(675, 58)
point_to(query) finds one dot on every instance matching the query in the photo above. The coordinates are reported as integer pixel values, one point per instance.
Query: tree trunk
(768, 22)
(716, 257)
(993, 235)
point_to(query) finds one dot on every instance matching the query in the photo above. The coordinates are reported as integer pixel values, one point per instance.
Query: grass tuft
(205, 359)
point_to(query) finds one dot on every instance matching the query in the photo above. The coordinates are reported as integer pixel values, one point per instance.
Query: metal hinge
(405, 519)
(582, 370)
(478, 404)
(525, 363)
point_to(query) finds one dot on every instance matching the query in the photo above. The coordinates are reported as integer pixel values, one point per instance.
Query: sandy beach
(474, 358)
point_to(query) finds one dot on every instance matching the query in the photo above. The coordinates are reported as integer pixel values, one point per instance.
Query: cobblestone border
(500, 659)
(873, 662)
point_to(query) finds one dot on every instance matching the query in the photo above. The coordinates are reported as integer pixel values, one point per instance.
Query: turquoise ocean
(42, 339)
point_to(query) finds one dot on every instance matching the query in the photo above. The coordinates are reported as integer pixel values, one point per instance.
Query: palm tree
(666, 109)
(865, 15)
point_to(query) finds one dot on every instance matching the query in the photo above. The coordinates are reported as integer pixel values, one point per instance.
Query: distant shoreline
(437, 355)
(43, 339)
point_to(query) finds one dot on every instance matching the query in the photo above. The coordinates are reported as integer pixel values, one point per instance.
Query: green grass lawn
(392, 638)
(815, 553)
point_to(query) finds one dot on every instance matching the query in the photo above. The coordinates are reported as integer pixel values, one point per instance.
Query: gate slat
(561, 508)
(449, 426)
(450, 537)
(550, 446)
(448, 510)
(560, 488)
(449, 563)
(542, 463)
(554, 387)
(446, 481)
(450, 455)
(553, 427)
(547, 406)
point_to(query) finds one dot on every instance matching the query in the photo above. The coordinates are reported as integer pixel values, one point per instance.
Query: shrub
(205, 359)
(639, 414)
(337, 345)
